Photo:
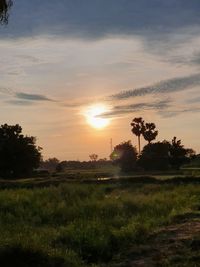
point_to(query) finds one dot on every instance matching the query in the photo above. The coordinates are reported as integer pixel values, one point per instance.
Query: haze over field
(75, 73)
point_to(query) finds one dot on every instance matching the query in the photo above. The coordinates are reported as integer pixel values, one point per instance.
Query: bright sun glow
(93, 118)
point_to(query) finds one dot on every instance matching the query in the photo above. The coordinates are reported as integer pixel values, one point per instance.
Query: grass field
(92, 224)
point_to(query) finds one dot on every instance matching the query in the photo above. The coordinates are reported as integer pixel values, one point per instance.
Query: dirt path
(175, 245)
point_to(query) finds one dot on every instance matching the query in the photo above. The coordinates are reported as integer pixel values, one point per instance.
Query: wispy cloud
(20, 102)
(176, 112)
(22, 98)
(32, 97)
(75, 104)
(6, 91)
(120, 110)
(163, 87)
(29, 58)
(194, 100)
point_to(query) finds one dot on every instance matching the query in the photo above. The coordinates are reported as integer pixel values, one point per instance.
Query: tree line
(54, 165)
(20, 156)
(162, 155)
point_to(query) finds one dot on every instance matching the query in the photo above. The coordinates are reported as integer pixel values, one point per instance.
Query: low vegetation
(85, 224)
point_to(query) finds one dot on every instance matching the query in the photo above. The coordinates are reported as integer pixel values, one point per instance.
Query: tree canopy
(138, 128)
(4, 8)
(93, 157)
(150, 132)
(125, 155)
(178, 154)
(164, 155)
(19, 154)
(155, 156)
(147, 130)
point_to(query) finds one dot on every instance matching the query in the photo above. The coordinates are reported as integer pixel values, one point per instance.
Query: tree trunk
(139, 143)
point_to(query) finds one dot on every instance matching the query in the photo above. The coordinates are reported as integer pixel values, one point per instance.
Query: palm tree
(4, 7)
(150, 132)
(93, 157)
(138, 129)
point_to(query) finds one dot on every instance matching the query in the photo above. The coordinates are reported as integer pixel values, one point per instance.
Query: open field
(47, 222)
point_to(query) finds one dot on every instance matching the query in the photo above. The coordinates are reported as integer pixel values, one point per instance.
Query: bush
(124, 155)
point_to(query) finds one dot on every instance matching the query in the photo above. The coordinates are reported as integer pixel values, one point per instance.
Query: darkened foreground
(106, 223)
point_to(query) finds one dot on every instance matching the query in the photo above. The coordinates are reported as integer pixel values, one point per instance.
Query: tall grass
(80, 224)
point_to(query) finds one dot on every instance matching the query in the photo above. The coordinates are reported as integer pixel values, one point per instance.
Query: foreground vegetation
(85, 224)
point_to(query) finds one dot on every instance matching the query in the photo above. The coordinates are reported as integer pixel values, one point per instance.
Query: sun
(93, 116)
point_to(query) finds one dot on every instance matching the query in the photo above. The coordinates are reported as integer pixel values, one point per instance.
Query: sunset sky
(68, 65)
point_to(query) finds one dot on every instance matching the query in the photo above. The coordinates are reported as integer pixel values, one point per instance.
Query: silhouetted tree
(191, 153)
(138, 129)
(50, 164)
(150, 132)
(19, 154)
(195, 160)
(125, 155)
(93, 157)
(103, 160)
(178, 154)
(4, 8)
(164, 155)
(83, 165)
(61, 166)
(155, 156)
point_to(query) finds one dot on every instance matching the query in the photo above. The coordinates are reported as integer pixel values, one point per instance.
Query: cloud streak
(22, 98)
(20, 102)
(120, 110)
(164, 87)
(6, 91)
(32, 97)
(174, 112)
(194, 100)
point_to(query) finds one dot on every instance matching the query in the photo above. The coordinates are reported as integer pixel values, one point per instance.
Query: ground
(64, 221)
(174, 245)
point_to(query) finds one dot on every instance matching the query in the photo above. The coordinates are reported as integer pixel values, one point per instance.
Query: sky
(62, 61)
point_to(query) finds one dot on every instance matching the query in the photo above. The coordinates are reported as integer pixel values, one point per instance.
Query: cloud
(22, 98)
(5, 91)
(32, 97)
(29, 58)
(129, 108)
(194, 100)
(100, 18)
(20, 102)
(163, 87)
(173, 113)
(195, 59)
(75, 104)
(156, 105)
(165, 108)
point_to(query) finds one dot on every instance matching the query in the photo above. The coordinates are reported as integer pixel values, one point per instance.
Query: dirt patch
(175, 245)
